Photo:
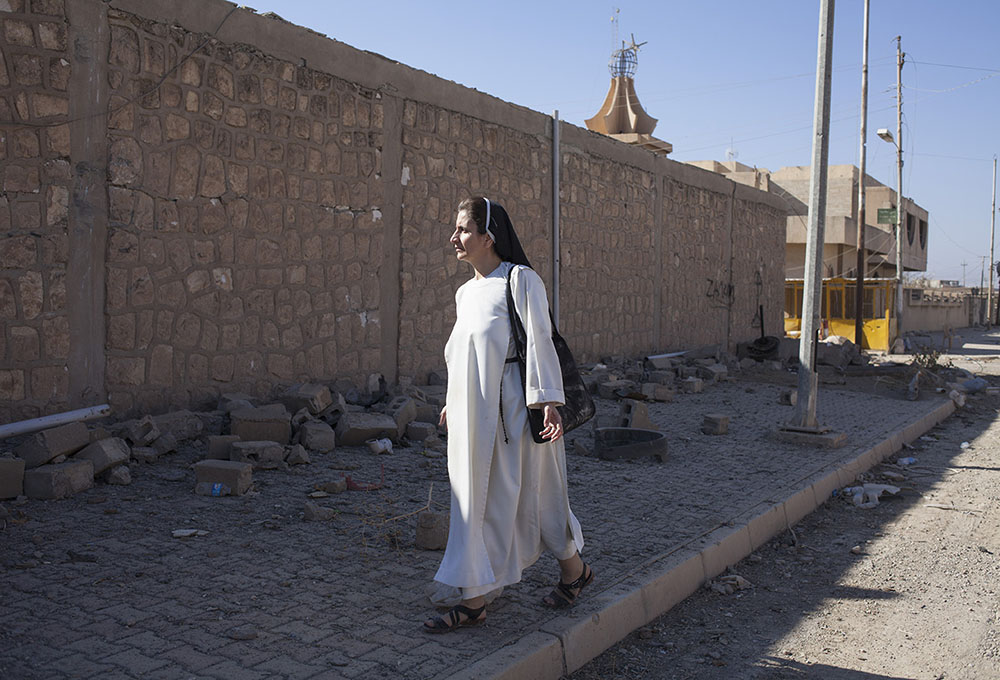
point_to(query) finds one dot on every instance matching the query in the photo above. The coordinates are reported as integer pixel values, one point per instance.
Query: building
(840, 241)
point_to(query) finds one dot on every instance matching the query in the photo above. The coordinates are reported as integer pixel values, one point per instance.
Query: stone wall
(35, 66)
(199, 199)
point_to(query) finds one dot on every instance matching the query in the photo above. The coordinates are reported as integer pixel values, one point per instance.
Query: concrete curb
(565, 644)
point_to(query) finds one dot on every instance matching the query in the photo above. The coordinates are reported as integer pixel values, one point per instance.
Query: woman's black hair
(505, 240)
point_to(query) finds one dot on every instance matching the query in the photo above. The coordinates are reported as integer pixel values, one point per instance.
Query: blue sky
(725, 75)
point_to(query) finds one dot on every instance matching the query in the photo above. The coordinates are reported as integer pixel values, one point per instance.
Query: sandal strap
(456, 612)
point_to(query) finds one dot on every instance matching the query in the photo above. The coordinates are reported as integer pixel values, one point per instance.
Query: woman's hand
(552, 423)
(443, 420)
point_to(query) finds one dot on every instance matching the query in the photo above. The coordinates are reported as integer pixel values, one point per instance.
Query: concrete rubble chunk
(105, 454)
(354, 428)
(662, 377)
(658, 392)
(427, 413)
(748, 363)
(49, 482)
(99, 433)
(183, 424)
(236, 475)
(435, 395)
(404, 411)
(218, 446)
(316, 435)
(11, 477)
(612, 389)
(44, 446)
(659, 361)
(315, 512)
(635, 414)
(271, 423)
(439, 377)
(331, 414)
(310, 396)
(713, 372)
(685, 372)
(417, 431)
(715, 424)
(432, 530)
(145, 454)
(693, 385)
(119, 476)
(788, 397)
(297, 455)
(260, 454)
(301, 416)
(142, 432)
(165, 443)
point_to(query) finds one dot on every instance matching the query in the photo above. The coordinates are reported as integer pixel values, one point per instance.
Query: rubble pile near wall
(241, 436)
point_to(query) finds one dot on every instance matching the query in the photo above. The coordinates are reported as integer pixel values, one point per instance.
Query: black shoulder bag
(579, 407)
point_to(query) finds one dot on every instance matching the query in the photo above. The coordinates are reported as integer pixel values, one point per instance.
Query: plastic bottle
(909, 460)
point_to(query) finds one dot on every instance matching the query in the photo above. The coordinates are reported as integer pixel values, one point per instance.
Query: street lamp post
(885, 135)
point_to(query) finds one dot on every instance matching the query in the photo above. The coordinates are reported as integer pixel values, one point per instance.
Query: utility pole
(993, 214)
(899, 187)
(859, 292)
(964, 265)
(805, 409)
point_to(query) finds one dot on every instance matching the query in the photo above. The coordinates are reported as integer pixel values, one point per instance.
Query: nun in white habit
(508, 493)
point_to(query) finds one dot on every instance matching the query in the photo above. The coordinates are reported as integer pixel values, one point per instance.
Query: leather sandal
(453, 619)
(564, 594)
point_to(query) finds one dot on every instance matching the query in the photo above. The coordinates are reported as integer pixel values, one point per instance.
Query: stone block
(692, 385)
(404, 411)
(271, 423)
(183, 425)
(658, 392)
(439, 377)
(435, 395)
(659, 362)
(331, 414)
(261, 454)
(236, 475)
(354, 428)
(432, 530)
(165, 443)
(119, 475)
(99, 433)
(44, 446)
(49, 482)
(310, 396)
(337, 486)
(297, 455)
(748, 363)
(11, 477)
(316, 435)
(427, 413)
(218, 446)
(105, 454)
(662, 377)
(142, 432)
(145, 454)
(713, 372)
(715, 424)
(613, 389)
(635, 414)
(418, 431)
(685, 372)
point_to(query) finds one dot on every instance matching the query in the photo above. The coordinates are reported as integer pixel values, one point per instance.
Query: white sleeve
(543, 375)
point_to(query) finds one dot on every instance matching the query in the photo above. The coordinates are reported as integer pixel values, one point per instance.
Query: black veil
(505, 240)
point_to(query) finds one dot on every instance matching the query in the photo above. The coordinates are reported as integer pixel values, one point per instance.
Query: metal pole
(805, 409)
(859, 294)
(555, 216)
(993, 214)
(54, 420)
(899, 188)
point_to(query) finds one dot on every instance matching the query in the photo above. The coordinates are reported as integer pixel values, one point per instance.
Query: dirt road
(907, 589)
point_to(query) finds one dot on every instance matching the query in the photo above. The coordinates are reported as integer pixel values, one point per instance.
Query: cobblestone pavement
(96, 586)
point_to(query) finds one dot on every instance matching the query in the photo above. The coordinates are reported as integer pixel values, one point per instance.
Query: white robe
(508, 498)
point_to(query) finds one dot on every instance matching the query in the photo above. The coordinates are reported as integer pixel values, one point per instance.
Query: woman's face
(469, 244)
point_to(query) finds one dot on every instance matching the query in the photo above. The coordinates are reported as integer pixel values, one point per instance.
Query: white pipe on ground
(54, 420)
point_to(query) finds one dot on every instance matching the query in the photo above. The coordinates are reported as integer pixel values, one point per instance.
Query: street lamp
(886, 136)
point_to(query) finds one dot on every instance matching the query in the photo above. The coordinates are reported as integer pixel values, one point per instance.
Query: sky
(733, 79)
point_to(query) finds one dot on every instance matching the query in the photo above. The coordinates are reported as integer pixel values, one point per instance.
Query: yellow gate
(838, 309)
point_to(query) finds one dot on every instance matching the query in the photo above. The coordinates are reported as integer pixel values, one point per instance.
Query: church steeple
(622, 116)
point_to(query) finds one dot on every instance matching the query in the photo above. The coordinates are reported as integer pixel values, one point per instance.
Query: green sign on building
(887, 216)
